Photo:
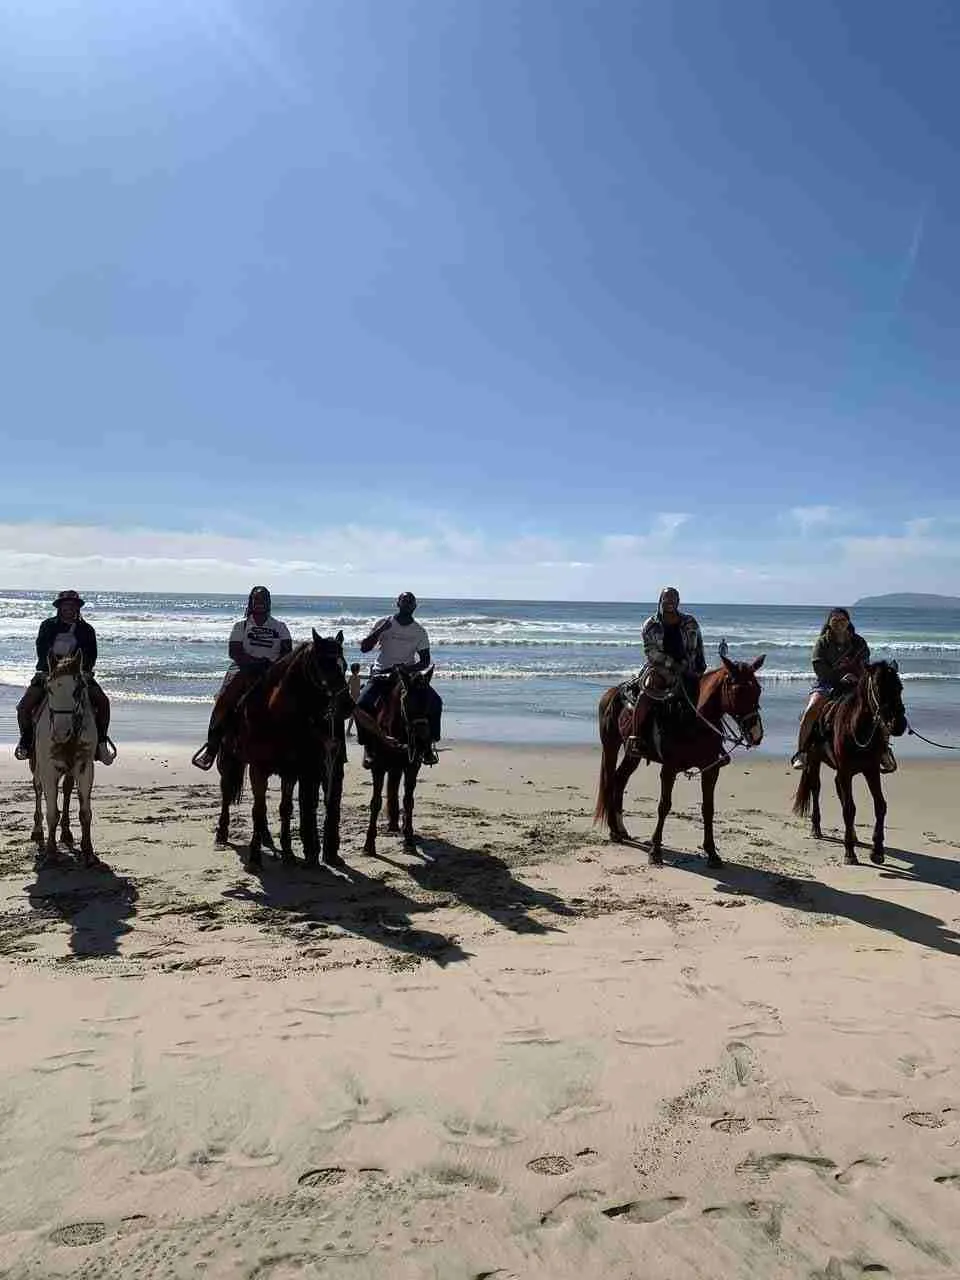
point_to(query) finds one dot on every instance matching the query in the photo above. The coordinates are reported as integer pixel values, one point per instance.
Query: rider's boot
(888, 761)
(206, 757)
(106, 752)
(24, 747)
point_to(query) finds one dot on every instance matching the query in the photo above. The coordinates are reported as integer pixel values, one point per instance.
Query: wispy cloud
(810, 519)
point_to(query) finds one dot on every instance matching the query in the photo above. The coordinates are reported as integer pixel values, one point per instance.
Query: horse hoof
(851, 860)
(66, 837)
(715, 861)
(877, 857)
(370, 849)
(410, 843)
(655, 858)
(334, 860)
(393, 830)
(311, 860)
(255, 858)
(287, 857)
(817, 833)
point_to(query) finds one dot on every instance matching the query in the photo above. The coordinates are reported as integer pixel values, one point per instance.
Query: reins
(943, 746)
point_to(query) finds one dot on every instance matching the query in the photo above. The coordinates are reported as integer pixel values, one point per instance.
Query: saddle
(669, 711)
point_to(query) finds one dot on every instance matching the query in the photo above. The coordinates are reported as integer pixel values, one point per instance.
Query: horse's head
(414, 690)
(326, 665)
(65, 694)
(883, 688)
(740, 696)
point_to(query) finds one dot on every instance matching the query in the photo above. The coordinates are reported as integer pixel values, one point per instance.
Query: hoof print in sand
(551, 1166)
(80, 1233)
(330, 1177)
(730, 1124)
(924, 1119)
(645, 1211)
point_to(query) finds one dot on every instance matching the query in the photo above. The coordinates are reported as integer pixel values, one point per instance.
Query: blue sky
(490, 297)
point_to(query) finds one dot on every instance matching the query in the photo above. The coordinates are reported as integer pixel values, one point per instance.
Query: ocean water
(508, 671)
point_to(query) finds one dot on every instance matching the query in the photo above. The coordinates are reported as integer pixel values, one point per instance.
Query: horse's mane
(850, 709)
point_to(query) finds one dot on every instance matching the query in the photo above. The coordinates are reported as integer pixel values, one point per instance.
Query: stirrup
(888, 762)
(106, 751)
(205, 758)
(430, 756)
(23, 750)
(365, 761)
(798, 760)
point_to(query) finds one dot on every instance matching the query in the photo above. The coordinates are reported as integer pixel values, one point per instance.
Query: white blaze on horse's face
(63, 705)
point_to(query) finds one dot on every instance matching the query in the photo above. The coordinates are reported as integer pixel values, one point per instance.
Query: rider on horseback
(58, 638)
(840, 656)
(257, 641)
(673, 646)
(400, 642)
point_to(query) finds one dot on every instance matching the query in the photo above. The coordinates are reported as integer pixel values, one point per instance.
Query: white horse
(65, 745)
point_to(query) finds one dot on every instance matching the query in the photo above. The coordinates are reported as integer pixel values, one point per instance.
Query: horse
(291, 725)
(851, 736)
(403, 717)
(65, 742)
(695, 740)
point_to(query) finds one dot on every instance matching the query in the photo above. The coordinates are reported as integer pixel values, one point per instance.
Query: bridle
(75, 711)
(730, 739)
(875, 707)
(414, 725)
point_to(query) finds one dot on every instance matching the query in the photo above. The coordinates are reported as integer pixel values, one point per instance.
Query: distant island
(908, 600)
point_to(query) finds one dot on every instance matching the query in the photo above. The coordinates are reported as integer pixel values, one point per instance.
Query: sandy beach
(518, 1052)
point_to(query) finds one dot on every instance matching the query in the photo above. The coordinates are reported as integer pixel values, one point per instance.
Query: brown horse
(404, 717)
(851, 737)
(291, 725)
(694, 740)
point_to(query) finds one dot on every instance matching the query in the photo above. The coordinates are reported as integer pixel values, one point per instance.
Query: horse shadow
(297, 897)
(95, 902)
(481, 881)
(923, 868)
(815, 898)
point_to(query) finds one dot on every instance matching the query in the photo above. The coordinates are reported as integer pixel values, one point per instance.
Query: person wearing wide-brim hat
(59, 637)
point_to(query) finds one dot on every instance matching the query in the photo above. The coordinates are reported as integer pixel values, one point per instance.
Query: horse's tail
(610, 749)
(801, 801)
(232, 774)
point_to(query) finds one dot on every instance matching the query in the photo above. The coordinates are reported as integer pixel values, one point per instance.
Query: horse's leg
(622, 775)
(36, 835)
(286, 812)
(813, 772)
(875, 783)
(66, 835)
(53, 817)
(309, 791)
(667, 778)
(844, 781)
(376, 802)
(333, 801)
(409, 787)
(258, 785)
(708, 787)
(84, 793)
(393, 799)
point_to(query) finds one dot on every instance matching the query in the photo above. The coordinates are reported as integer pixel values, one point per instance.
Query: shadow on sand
(95, 902)
(296, 896)
(481, 881)
(815, 898)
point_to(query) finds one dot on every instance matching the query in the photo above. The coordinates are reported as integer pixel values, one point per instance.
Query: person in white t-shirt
(400, 641)
(256, 642)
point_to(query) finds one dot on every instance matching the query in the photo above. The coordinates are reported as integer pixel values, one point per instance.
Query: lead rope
(943, 746)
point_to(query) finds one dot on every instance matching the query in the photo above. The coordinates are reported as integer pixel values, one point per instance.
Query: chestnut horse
(405, 719)
(291, 725)
(694, 739)
(856, 730)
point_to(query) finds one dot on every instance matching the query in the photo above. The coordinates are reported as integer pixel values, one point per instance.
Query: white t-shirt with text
(260, 640)
(399, 645)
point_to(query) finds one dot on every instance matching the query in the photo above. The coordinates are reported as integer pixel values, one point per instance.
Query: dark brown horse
(691, 738)
(291, 725)
(404, 717)
(851, 736)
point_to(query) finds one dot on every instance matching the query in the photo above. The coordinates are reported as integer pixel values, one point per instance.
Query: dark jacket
(832, 663)
(50, 628)
(695, 663)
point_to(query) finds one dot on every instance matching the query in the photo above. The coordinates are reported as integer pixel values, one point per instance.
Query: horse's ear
(731, 667)
(316, 638)
(339, 638)
(428, 673)
(757, 663)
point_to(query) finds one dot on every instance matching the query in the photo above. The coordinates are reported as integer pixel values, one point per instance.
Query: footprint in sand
(644, 1038)
(767, 1214)
(645, 1211)
(924, 1119)
(479, 1134)
(949, 1180)
(574, 1205)
(860, 1169)
(773, 1161)
(79, 1233)
(730, 1124)
(331, 1176)
(528, 1035)
(550, 1166)
(742, 1063)
(853, 1094)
